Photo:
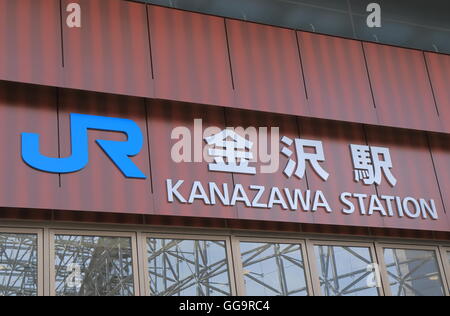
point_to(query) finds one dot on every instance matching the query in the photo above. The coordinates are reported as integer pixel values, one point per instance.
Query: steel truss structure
(411, 271)
(273, 261)
(336, 279)
(18, 265)
(93, 266)
(106, 266)
(188, 267)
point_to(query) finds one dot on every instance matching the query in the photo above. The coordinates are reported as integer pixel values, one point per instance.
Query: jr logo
(118, 152)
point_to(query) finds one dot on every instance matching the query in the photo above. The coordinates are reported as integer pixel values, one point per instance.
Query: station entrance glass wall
(74, 262)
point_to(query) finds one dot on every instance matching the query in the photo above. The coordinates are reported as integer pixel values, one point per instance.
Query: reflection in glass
(273, 269)
(420, 24)
(345, 271)
(18, 265)
(188, 268)
(413, 272)
(93, 266)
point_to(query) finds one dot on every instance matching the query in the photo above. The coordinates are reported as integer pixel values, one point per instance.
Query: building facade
(203, 149)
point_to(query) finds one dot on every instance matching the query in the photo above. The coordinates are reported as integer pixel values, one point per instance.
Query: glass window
(345, 271)
(429, 13)
(18, 265)
(403, 34)
(413, 272)
(420, 24)
(271, 269)
(93, 266)
(188, 267)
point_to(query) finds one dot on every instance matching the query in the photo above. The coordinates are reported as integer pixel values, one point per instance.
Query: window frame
(93, 233)
(407, 246)
(445, 258)
(174, 236)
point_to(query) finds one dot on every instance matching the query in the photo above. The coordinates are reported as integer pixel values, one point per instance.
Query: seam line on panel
(148, 144)
(435, 171)
(62, 32)
(149, 41)
(366, 139)
(299, 133)
(309, 258)
(229, 53)
(368, 75)
(431, 84)
(232, 174)
(58, 99)
(301, 64)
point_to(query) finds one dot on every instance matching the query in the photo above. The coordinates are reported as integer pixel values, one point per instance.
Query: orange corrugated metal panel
(439, 70)
(111, 51)
(100, 186)
(336, 78)
(27, 109)
(268, 173)
(336, 138)
(414, 171)
(30, 41)
(266, 68)
(401, 88)
(190, 57)
(440, 150)
(163, 118)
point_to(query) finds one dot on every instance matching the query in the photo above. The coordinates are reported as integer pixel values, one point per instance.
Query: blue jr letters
(118, 152)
